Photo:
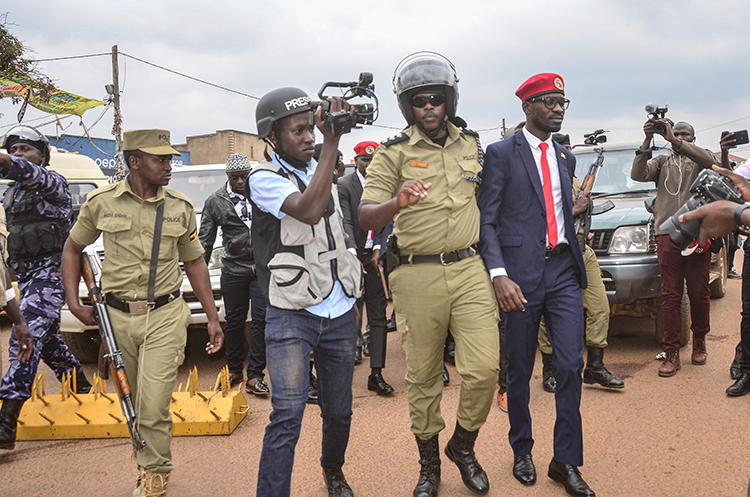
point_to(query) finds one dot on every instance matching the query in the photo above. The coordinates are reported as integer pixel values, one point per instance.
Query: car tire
(684, 316)
(718, 287)
(85, 346)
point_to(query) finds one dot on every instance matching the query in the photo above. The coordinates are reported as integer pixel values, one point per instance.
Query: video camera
(708, 187)
(342, 122)
(655, 112)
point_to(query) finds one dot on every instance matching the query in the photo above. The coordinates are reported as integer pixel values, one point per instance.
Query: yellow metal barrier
(97, 414)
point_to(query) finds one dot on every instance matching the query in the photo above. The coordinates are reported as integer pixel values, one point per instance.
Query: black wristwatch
(738, 213)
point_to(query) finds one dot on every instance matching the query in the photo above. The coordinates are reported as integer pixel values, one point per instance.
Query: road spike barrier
(97, 414)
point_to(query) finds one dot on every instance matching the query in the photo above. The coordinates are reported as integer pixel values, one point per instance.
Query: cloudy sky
(615, 57)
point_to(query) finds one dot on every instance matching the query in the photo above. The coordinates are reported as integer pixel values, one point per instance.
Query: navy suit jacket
(513, 222)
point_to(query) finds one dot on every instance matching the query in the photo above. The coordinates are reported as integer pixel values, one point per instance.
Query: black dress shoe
(257, 386)
(524, 470)
(377, 384)
(569, 476)
(312, 390)
(446, 375)
(741, 386)
(336, 483)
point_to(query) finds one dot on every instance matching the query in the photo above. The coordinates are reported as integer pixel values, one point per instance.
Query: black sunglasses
(435, 100)
(551, 102)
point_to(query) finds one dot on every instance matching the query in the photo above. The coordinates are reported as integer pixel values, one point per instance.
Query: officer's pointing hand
(411, 191)
(508, 294)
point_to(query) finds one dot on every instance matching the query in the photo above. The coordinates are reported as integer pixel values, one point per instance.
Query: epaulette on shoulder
(179, 195)
(470, 132)
(100, 190)
(401, 137)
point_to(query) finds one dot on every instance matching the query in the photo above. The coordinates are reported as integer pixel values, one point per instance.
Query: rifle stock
(113, 352)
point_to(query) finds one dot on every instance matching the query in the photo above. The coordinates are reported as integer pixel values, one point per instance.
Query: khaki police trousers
(152, 377)
(595, 304)
(429, 299)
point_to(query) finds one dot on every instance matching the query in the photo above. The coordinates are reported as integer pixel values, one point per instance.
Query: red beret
(539, 84)
(365, 148)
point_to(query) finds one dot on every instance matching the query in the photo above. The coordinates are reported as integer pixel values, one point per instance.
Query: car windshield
(197, 185)
(614, 176)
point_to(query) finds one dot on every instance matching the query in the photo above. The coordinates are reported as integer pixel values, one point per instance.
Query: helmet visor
(423, 69)
(21, 133)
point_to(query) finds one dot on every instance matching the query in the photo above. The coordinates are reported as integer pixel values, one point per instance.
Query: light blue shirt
(269, 191)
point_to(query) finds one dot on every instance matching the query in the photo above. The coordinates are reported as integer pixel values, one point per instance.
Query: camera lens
(660, 128)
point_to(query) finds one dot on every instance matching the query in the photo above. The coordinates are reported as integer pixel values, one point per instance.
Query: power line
(191, 77)
(73, 57)
(722, 124)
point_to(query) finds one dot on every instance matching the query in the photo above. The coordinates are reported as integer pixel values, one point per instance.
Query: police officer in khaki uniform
(427, 177)
(596, 306)
(152, 335)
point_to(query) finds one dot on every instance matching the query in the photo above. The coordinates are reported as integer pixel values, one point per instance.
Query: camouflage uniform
(40, 284)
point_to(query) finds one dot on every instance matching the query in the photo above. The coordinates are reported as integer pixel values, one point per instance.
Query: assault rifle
(583, 220)
(113, 355)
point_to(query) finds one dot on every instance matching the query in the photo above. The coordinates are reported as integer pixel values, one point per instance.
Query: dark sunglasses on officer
(436, 100)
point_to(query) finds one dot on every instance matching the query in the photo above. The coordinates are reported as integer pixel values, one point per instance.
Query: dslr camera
(708, 187)
(343, 121)
(655, 112)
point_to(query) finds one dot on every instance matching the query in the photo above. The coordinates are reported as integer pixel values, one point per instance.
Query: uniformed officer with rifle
(142, 220)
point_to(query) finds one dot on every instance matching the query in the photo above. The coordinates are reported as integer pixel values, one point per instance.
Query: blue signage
(101, 151)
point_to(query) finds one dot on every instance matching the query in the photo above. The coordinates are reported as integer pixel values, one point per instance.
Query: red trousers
(676, 270)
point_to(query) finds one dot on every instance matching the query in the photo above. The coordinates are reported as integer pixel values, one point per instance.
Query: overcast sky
(615, 56)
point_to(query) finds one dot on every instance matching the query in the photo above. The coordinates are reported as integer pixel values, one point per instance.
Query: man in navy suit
(531, 250)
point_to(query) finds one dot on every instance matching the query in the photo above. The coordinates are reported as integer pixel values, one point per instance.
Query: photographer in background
(673, 175)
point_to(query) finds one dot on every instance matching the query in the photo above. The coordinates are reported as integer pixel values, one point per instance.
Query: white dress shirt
(554, 173)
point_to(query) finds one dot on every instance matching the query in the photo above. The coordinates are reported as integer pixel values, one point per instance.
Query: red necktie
(549, 202)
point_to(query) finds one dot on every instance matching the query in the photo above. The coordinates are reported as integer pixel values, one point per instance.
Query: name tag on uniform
(418, 163)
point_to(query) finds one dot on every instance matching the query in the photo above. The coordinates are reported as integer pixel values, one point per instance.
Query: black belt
(559, 249)
(445, 258)
(139, 306)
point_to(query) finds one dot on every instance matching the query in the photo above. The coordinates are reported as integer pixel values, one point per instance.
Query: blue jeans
(290, 336)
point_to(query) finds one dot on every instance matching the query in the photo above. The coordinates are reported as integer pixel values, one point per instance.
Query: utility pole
(117, 127)
(504, 129)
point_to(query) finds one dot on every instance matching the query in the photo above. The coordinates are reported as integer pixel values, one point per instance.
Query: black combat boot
(82, 383)
(595, 371)
(429, 474)
(8, 422)
(549, 383)
(460, 450)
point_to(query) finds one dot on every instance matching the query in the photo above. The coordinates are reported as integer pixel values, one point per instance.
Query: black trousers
(745, 322)
(374, 299)
(241, 293)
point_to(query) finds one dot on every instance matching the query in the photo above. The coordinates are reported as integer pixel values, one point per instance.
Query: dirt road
(671, 437)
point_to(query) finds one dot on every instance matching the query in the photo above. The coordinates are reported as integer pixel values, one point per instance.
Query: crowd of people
(477, 248)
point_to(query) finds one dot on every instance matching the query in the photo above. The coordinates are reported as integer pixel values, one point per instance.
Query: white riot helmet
(419, 71)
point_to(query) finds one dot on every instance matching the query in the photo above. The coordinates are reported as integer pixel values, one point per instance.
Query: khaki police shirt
(448, 217)
(4, 255)
(127, 224)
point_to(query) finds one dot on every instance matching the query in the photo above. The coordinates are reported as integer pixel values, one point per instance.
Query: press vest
(31, 234)
(297, 263)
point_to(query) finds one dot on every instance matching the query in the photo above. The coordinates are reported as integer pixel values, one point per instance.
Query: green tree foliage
(16, 65)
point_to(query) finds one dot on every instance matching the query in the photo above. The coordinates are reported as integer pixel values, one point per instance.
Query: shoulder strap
(8, 200)
(395, 139)
(155, 252)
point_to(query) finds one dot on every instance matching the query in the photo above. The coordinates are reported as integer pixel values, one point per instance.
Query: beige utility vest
(301, 262)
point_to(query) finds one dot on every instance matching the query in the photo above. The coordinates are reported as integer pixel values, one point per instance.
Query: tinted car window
(197, 185)
(614, 176)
